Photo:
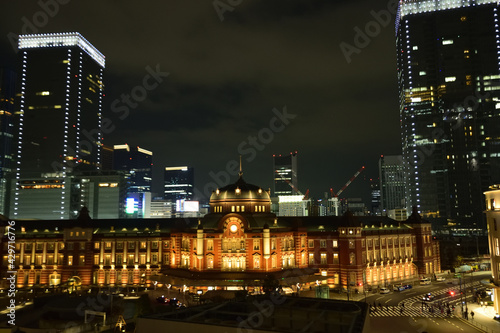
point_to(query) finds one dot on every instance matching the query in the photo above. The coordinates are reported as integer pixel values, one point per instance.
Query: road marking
(379, 298)
(413, 292)
(388, 300)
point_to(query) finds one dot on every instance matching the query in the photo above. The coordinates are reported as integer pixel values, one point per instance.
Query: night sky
(227, 76)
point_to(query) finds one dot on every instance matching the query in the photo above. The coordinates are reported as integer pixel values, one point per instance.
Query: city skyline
(223, 88)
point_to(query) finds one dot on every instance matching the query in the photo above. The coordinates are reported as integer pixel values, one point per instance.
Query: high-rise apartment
(60, 114)
(179, 183)
(392, 185)
(449, 90)
(285, 174)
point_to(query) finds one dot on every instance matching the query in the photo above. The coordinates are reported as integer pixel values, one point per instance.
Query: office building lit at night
(179, 183)
(449, 90)
(60, 117)
(137, 162)
(285, 174)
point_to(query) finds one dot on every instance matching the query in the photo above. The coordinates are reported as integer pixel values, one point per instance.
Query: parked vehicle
(384, 291)
(425, 281)
(401, 287)
(440, 278)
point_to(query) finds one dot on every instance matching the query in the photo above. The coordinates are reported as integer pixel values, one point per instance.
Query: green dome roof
(240, 190)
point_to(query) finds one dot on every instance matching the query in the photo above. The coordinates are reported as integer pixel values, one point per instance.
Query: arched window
(352, 258)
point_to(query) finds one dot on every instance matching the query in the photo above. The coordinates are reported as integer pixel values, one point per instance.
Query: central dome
(240, 197)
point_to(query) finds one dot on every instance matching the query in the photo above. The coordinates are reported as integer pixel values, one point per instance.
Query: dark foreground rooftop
(276, 313)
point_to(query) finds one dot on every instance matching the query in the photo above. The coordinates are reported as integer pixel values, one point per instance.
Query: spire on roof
(241, 168)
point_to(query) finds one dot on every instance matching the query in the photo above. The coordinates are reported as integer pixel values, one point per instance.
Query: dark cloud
(227, 76)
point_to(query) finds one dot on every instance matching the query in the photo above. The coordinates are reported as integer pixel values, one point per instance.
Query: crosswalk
(393, 311)
(412, 306)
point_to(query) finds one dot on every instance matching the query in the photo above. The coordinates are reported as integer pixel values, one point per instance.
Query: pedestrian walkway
(482, 318)
(394, 311)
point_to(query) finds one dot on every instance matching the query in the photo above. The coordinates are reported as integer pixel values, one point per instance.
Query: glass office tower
(285, 174)
(392, 186)
(449, 87)
(60, 116)
(137, 162)
(179, 183)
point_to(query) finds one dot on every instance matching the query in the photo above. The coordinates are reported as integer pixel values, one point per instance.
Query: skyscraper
(285, 174)
(392, 185)
(7, 132)
(137, 162)
(60, 113)
(179, 183)
(449, 89)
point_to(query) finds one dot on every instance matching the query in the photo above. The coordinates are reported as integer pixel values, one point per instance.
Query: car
(440, 279)
(425, 281)
(452, 292)
(428, 297)
(401, 287)
(384, 291)
(489, 291)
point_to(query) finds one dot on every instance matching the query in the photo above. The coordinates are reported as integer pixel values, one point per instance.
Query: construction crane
(335, 196)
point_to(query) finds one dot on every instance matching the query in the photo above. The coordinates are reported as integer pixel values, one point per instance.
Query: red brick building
(238, 243)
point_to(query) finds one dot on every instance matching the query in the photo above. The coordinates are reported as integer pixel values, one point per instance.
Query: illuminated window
(322, 243)
(210, 245)
(70, 260)
(143, 245)
(311, 258)
(323, 258)
(256, 244)
(352, 258)
(310, 243)
(335, 258)
(256, 262)
(351, 244)
(97, 245)
(81, 260)
(96, 259)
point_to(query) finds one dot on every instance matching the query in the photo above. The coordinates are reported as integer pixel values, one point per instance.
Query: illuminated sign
(187, 206)
(131, 205)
